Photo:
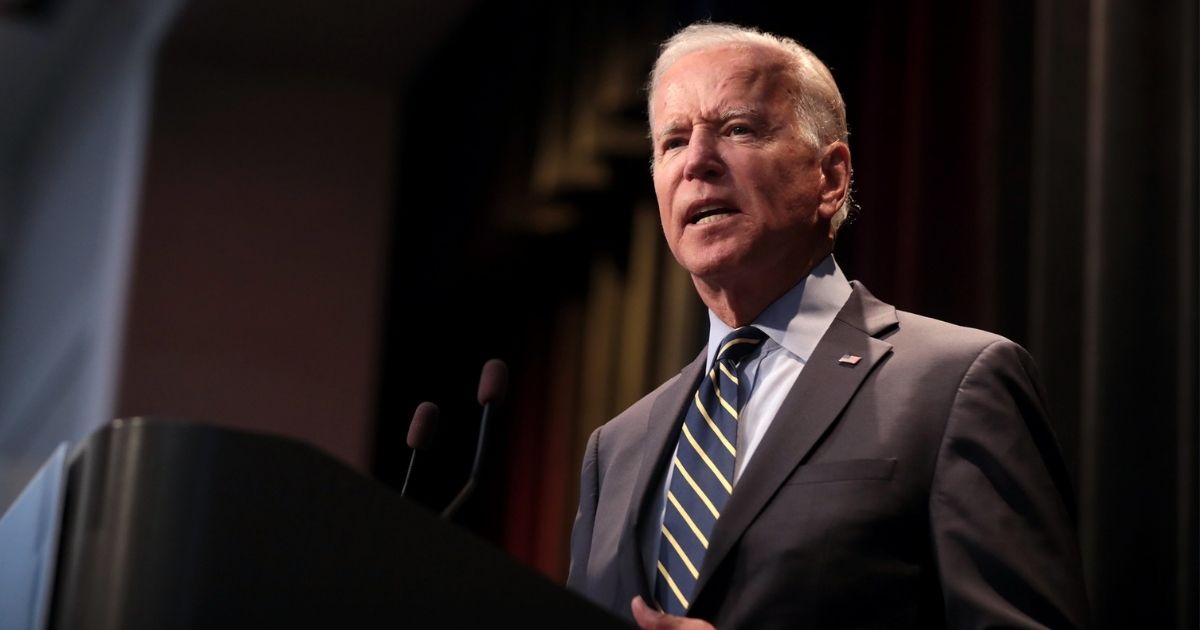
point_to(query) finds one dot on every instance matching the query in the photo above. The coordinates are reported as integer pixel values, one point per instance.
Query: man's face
(739, 190)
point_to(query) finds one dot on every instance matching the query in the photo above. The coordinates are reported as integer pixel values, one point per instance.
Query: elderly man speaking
(827, 461)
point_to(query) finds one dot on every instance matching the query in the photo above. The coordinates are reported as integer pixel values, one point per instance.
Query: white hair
(820, 109)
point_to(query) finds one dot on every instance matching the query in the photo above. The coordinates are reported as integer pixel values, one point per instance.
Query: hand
(650, 619)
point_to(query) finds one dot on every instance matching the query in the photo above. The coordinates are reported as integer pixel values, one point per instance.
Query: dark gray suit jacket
(919, 488)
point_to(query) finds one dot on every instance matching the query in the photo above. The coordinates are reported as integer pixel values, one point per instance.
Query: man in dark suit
(828, 461)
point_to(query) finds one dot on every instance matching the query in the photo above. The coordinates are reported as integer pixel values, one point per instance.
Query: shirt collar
(799, 318)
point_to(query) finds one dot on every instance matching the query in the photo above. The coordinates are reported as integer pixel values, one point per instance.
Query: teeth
(708, 214)
(711, 218)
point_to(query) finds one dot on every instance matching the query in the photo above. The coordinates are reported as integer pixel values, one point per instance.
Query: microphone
(420, 435)
(493, 383)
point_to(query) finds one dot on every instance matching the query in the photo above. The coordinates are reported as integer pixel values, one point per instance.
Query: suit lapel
(639, 548)
(821, 391)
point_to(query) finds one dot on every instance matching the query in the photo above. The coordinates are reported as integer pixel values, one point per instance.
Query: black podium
(176, 525)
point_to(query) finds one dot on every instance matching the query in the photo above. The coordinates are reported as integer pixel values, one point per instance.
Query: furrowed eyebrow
(738, 112)
(723, 118)
(670, 130)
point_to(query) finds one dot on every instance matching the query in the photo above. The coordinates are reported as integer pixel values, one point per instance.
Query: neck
(739, 301)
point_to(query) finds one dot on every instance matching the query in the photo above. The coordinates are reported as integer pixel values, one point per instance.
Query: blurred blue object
(73, 118)
(29, 546)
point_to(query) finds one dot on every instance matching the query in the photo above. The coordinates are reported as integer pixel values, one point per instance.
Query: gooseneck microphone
(493, 383)
(420, 435)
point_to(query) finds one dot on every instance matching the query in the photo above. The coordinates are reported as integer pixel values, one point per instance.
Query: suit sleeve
(1001, 506)
(585, 518)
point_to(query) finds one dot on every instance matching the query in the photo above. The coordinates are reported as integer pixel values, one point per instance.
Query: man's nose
(703, 159)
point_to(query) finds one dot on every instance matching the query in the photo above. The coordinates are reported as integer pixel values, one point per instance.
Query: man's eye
(673, 143)
(740, 130)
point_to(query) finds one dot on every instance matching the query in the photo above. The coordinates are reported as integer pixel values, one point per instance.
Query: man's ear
(835, 178)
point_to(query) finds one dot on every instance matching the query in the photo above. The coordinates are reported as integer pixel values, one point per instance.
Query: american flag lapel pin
(850, 359)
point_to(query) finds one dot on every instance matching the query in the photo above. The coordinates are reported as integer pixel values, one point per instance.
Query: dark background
(349, 207)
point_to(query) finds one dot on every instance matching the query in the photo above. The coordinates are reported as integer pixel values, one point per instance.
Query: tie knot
(740, 343)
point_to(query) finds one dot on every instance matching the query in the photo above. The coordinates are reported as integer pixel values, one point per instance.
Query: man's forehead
(717, 84)
(728, 65)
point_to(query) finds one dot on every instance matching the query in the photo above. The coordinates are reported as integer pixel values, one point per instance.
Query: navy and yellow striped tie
(701, 472)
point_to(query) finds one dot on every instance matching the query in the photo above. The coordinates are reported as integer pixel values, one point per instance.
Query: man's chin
(719, 271)
(705, 264)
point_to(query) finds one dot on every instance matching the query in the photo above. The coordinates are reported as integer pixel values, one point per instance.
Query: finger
(646, 617)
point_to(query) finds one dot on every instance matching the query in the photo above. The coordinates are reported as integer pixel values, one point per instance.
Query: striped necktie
(701, 472)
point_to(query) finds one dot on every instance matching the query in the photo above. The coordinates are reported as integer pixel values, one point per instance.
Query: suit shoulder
(929, 347)
(918, 335)
(634, 417)
(946, 338)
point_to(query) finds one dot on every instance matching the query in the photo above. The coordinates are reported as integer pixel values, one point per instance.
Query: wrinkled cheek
(669, 226)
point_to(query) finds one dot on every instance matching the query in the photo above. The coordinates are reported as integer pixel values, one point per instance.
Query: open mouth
(711, 215)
